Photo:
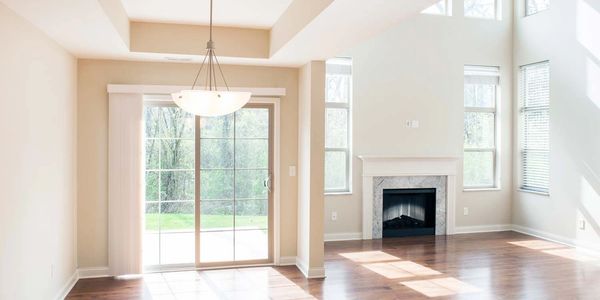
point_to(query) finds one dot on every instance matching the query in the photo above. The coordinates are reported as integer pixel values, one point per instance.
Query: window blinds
(534, 93)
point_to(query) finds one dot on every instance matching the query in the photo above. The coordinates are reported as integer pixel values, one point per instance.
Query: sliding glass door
(208, 187)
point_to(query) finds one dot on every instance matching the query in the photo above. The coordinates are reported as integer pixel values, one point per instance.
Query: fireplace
(408, 212)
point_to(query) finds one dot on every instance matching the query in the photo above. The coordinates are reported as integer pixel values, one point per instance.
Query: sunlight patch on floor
(400, 269)
(369, 256)
(247, 283)
(537, 244)
(573, 254)
(440, 287)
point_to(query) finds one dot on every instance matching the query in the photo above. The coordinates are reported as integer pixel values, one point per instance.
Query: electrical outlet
(292, 171)
(334, 216)
(582, 224)
(466, 211)
(412, 123)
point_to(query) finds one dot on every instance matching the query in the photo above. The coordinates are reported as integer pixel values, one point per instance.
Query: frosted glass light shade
(210, 103)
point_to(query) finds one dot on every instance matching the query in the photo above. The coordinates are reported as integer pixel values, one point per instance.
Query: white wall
(568, 35)
(37, 162)
(414, 71)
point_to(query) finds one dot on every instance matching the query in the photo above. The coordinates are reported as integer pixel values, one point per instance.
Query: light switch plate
(292, 171)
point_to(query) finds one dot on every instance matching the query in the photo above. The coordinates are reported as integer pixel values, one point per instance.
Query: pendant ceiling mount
(210, 102)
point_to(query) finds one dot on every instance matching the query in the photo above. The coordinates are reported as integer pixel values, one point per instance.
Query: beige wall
(94, 75)
(414, 71)
(311, 142)
(38, 162)
(568, 36)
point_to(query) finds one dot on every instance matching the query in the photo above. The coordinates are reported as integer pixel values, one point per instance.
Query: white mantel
(389, 166)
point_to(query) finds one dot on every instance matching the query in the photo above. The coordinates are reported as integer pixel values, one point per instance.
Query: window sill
(338, 193)
(534, 192)
(491, 189)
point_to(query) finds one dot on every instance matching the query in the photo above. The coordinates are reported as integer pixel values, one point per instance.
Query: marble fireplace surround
(388, 172)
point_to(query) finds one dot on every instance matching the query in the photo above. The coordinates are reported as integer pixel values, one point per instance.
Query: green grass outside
(186, 221)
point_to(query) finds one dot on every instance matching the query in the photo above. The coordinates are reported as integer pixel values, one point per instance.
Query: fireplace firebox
(408, 212)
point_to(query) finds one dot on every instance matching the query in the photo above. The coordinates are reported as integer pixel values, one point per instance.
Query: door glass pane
(234, 205)
(169, 184)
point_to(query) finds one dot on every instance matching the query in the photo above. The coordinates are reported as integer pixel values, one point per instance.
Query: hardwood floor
(502, 265)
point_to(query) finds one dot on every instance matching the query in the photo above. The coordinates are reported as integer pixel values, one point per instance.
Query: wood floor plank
(501, 265)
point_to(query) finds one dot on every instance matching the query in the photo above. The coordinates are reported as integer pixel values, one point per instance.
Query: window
(486, 9)
(534, 94)
(442, 7)
(338, 99)
(480, 142)
(535, 6)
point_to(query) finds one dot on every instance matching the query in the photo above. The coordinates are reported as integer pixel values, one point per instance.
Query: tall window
(338, 99)
(535, 6)
(486, 9)
(442, 7)
(534, 94)
(480, 141)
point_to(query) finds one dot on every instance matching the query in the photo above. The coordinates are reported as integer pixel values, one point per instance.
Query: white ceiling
(235, 13)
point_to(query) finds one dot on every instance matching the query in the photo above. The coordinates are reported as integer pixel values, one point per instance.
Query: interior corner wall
(38, 80)
(93, 78)
(567, 36)
(414, 71)
(311, 142)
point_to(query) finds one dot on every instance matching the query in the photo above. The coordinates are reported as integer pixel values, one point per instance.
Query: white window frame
(526, 9)
(497, 12)
(522, 108)
(348, 150)
(494, 150)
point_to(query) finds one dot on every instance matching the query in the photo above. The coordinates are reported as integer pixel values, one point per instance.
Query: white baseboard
(590, 247)
(482, 228)
(287, 261)
(64, 291)
(94, 272)
(343, 236)
(309, 273)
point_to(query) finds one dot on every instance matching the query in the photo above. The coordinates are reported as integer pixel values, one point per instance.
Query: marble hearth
(381, 173)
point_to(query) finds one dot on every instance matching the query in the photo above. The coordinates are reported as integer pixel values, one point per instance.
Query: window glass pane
(252, 123)
(176, 123)
(537, 85)
(177, 185)
(336, 128)
(338, 88)
(152, 150)
(439, 8)
(478, 169)
(216, 153)
(535, 6)
(216, 215)
(335, 170)
(177, 154)
(250, 184)
(216, 127)
(480, 8)
(152, 121)
(479, 130)
(151, 186)
(480, 95)
(216, 184)
(536, 129)
(252, 153)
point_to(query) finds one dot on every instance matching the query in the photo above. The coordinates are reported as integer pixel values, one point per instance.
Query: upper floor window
(534, 127)
(480, 141)
(535, 6)
(442, 7)
(486, 9)
(338, 115)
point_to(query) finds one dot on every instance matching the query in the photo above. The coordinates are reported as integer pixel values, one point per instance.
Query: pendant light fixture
(210, 102)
